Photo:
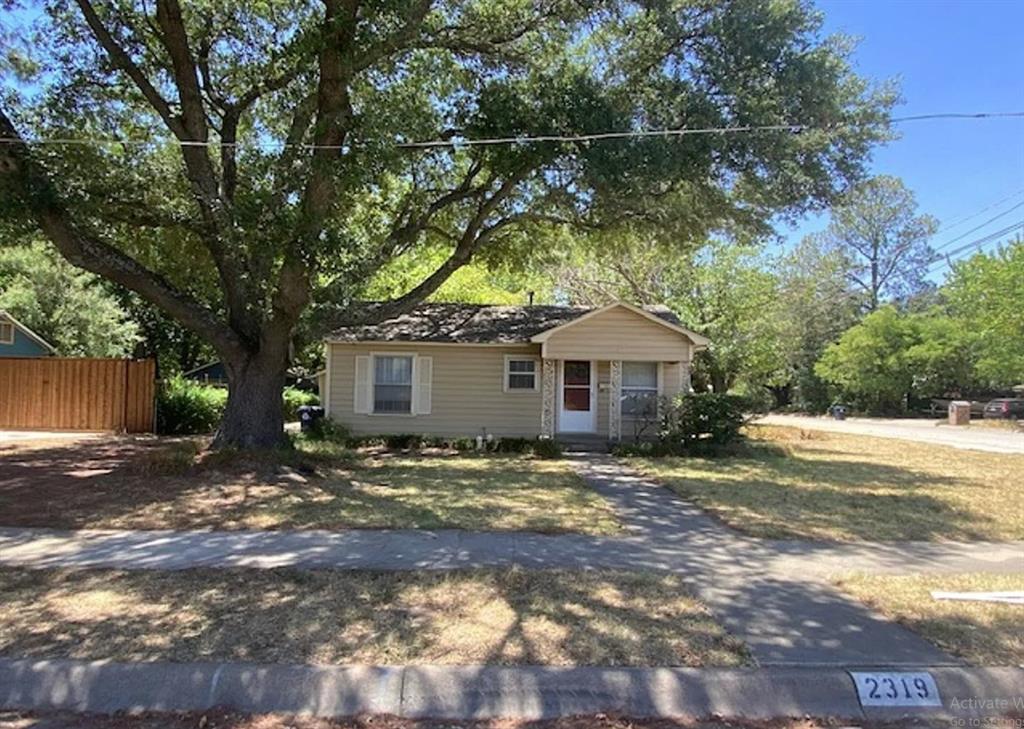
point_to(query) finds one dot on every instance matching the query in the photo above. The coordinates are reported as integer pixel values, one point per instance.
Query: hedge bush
(706, 417)
(539, 447)
(184, 407)
(705, 423)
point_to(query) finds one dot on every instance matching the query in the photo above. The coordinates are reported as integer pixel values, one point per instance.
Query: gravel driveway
(972, 438)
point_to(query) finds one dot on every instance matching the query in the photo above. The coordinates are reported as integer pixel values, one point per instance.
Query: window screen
(639, 388)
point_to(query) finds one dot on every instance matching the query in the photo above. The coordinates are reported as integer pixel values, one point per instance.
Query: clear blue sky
(948, 56)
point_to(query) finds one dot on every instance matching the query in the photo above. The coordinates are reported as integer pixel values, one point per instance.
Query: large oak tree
(246, 166)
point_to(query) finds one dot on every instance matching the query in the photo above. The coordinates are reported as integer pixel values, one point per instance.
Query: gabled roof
(658, 314)
(488, 324)
(27, 332)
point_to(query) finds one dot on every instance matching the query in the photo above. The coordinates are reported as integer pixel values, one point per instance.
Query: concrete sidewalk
(971, 438)
(478, 692)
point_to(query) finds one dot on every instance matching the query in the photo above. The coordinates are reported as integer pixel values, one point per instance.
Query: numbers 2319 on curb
(897, 688)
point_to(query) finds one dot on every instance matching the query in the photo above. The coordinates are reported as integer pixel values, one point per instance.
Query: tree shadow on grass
(790, 497)
(331, 617)
(159, 484)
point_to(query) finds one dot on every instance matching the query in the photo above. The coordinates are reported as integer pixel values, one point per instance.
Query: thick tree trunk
(782, 394)
(254, 416)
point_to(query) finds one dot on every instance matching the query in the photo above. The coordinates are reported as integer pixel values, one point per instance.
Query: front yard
(982, 633)
(333, 617)
(800, 484)
(153, 483)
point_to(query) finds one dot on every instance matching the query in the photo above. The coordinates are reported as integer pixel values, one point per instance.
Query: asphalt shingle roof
(472, 324)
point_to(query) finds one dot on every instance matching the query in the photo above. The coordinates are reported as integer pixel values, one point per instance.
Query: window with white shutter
(392, 384)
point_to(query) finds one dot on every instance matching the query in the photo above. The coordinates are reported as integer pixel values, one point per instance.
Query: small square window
(520, 374)
(6, 332)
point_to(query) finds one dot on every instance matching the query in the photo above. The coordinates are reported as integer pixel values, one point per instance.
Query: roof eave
(28, 332)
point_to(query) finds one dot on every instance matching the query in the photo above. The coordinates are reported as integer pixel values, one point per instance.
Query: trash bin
(959, 412)
(308, 415)
(838, 412)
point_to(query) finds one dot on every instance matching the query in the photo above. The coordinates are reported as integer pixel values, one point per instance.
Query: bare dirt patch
(161, 483)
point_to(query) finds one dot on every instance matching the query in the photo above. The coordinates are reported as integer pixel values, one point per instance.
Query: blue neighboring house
(17, 340)
(215, 374)
(209, 374)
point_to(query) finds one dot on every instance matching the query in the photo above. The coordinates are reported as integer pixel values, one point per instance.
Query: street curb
(476, 692)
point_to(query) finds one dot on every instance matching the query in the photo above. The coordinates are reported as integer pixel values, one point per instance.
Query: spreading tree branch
(27, 179)
(473, 237)
(333, 116)
(189, 127)
(400, 39)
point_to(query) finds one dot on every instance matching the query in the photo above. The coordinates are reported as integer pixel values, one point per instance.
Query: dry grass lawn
(334, 617)
(984, 634)
(170, 484)
(800, 484)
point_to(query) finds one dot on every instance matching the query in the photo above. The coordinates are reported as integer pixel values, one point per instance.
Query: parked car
(1005, 407)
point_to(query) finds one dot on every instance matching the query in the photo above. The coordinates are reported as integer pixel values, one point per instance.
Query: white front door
(577, 409)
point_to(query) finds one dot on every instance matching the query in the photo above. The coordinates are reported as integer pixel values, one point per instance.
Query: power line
(976, 228)
(949, 259)
(963, 219)
(457, 142)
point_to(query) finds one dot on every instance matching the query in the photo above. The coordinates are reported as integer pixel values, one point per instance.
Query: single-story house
(17, 340)
(460, 370)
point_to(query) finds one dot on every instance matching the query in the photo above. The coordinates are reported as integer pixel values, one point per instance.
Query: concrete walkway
(973, 438)
(784, 618)
(773, 594)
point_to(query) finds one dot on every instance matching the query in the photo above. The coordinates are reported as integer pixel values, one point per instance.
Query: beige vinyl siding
(618, 334)
(671, 377)
(467, 392)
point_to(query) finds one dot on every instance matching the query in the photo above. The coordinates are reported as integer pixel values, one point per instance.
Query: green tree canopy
(66, 306)
(259, 159)
(987, 293)
(892, 356)
(816, 305)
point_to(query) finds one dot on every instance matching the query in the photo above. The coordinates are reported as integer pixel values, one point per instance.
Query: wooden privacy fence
(57, 393)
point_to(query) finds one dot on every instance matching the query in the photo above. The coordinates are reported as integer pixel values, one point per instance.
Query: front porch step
(582, 443)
